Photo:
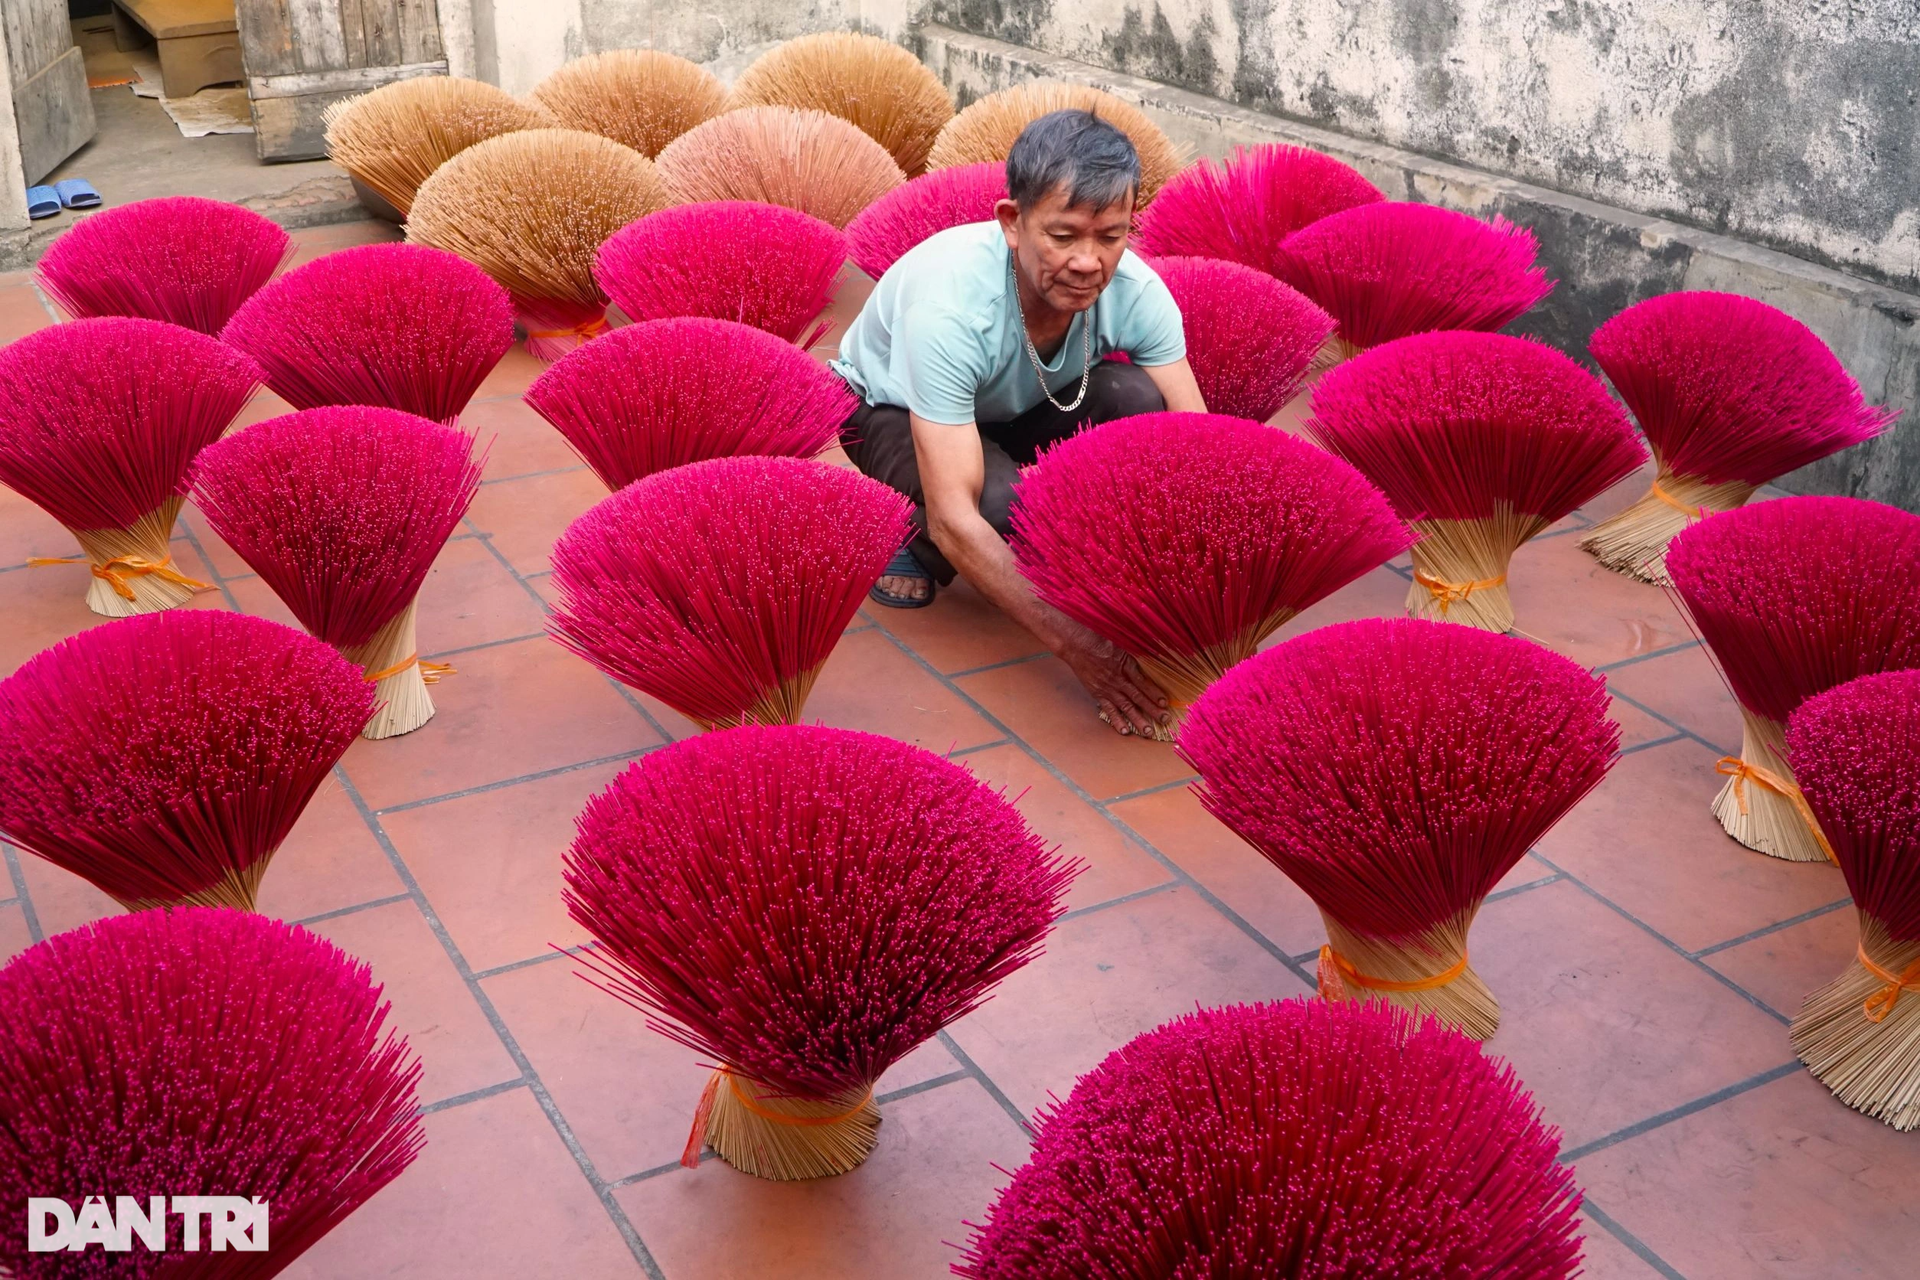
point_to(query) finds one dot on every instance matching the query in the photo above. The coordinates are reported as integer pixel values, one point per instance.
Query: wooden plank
(419, 25)
(382, 23)
(345, 80)
(37, 34)
(266, 36)
(318, 42)
(291, 127)
(353, 35)
(54, 113)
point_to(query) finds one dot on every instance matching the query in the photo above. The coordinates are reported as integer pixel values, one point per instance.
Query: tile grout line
(353, 910)
(1633, 1243)
(1669, 740)
(1122, 900)
(994, 666)
(1670, 722)
(994, 1091)
(1668, 943)
(1775, 927)
(534, 475)
(536, 776)
(476, 1095)
(514, 966)
(1180, 873)
(635, 1245)
(1143, 792)
(20, 894)
(1663, 1118)
(1607, 667)
(485, 644)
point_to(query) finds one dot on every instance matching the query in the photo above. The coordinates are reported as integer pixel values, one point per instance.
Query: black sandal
(903, 565)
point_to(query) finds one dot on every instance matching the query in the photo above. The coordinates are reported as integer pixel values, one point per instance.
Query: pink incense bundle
(397, 325)
(1186, 539)
(342, 512)
(1794, 597)
(711, 260)
(1250, 339)
(196, 1052)
(164, 758)
(806, 160)
(1395, 770)
(1390, 269)
(1731, 393)
(1295, 1140)
(720, 587)
(1481, 441)
(883, 232)
(182, 259)
(1856, 751)
(668, 392)
(99, 421)
(804, 906)
(1243, 210)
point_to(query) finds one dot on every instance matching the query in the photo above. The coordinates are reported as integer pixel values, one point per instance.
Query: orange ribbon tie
(1881, 1002)
(1740, 771)
(129, 567)
(1334, 967)
(430, 672)
(585, 329)
(1691, 513)
(1447, 592)
(696, 1137)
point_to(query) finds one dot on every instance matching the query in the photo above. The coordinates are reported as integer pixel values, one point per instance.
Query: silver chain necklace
(1086, 348)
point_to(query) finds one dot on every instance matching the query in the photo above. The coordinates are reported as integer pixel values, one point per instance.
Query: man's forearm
(973, 548)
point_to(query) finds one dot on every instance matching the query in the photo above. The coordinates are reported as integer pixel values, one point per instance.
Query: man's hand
(1127, 699)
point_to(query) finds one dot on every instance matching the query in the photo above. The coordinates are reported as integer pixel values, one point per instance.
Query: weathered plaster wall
(1794, 123)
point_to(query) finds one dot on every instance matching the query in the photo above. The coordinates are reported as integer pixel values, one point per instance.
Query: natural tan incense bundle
(1794, 597)
(1395, 770)
(99, 422)
(641, 98)
(393, 138)
(1731, 394)
(805, 160)
(1856, 753)
(342, 510)
(531, 209)
(803, 906)
(987, 129)
(869, 82)
(1481, 441)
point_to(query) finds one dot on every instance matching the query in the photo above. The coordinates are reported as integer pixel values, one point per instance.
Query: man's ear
(1007, 213)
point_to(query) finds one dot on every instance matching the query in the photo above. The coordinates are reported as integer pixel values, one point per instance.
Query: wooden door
(51, 108)
(303, 55)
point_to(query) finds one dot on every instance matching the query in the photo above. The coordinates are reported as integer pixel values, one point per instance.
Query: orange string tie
(1741, 772)
(585, 329)
(430, 672)
(1447, 592)
(117, 571)
(1691, 513)
(1336, 970)
(696, 1137)
(1881, 1002)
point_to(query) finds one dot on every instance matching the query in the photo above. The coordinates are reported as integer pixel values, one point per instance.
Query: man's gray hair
(1094, 161)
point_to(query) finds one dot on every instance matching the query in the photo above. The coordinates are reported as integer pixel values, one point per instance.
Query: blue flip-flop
(903, 565)
(42, 202)
(77, 193)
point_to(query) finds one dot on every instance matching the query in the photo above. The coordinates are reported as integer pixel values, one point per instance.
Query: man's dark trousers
(879, 439)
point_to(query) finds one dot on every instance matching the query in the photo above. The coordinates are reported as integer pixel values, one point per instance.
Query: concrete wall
(1793, 123)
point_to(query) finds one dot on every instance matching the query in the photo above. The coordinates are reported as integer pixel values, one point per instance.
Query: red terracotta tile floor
(1647, 966)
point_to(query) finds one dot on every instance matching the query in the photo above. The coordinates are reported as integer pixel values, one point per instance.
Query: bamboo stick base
(769, 1135)
(1873, 1067)
(1465, 1003)
(1460, 569)
(781, 704)
(237, 888)
(401, 698)
(1635, 541)
(1336, 350)
(146, 542)
(1756, 815)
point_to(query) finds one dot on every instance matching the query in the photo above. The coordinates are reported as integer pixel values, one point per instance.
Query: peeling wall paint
(1793, 123)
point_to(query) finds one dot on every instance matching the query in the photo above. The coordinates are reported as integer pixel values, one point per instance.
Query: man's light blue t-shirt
(943, 337)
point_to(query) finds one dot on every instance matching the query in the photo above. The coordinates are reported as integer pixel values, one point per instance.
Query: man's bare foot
(904, 587)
